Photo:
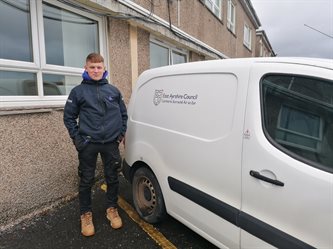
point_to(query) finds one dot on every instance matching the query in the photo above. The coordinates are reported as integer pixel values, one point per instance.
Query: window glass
(214, 6)
(15, 30)
(178, 58)
(231, 16)
(298, 115)
(163, 55)
(247, 36)
(59, 84)
(18, 84)
(159, 56)
(209, 4)
(299, 128)
(69, 37)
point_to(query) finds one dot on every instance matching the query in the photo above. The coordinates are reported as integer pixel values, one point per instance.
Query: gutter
(251, 12)
(265, 38)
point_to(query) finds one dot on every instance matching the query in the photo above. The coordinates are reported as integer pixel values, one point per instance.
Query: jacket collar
(88, 80)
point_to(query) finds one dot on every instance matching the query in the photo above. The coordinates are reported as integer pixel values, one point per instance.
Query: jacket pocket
(81, 142)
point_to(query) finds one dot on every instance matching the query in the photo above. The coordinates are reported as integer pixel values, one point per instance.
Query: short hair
(94, 58)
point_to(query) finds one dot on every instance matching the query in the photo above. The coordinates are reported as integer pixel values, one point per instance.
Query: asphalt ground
(60, 228)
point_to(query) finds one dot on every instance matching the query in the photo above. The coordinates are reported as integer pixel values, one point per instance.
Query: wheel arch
(142, 154)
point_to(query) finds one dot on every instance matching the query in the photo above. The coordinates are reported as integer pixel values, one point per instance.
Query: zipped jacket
(95, 111)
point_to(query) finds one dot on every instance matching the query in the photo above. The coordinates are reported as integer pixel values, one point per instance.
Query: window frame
(231, 16)
(171, 49)
(39, 65)
(211, 5)
(247, 34)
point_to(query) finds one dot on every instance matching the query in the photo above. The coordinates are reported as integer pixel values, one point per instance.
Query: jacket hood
(88, 80)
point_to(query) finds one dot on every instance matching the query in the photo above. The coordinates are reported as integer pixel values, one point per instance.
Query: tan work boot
(114, 218)
(87, 225)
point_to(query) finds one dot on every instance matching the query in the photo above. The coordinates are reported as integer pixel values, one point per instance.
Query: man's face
(95, 70)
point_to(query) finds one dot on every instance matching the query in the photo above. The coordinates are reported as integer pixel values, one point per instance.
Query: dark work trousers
(87, 165)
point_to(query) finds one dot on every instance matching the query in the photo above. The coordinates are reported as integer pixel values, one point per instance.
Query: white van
(239, 150)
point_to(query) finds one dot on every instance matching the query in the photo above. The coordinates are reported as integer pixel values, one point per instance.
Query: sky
(297, 27)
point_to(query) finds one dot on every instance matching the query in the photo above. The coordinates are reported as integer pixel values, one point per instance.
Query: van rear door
(287, 180)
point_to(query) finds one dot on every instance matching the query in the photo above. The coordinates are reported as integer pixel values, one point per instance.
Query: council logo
(158, 96)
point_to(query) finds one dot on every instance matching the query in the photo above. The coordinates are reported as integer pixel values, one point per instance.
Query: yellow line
(158, 237)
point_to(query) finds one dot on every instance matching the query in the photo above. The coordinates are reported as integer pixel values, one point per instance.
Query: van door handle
(256, 174)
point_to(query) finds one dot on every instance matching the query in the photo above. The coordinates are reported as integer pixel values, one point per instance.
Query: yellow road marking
(158, 237)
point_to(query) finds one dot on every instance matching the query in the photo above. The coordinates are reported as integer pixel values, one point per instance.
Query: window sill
(249, 49)
(29, 110)
(232, 32)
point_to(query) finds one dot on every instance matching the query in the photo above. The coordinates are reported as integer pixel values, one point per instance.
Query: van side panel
(198, 105)
(194, 121)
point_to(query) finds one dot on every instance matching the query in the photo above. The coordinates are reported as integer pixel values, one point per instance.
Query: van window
(298, 117)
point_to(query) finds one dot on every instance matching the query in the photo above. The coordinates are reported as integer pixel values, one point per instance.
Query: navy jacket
(95, 109)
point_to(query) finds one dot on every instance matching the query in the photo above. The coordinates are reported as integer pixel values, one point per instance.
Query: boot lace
(87, 219)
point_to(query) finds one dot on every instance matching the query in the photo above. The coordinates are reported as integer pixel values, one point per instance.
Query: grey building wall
(38, 163)
(194, 18)
(120, 56)
(143, 51)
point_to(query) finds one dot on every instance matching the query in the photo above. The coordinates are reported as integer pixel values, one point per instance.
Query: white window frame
(39, 66)
(231, 16)
(247, 36)
(171, 49)
(213, 7)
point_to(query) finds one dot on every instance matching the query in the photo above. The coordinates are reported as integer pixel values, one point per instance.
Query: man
(101, 127)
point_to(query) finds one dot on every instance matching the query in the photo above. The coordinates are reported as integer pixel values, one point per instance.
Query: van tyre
(147, 196)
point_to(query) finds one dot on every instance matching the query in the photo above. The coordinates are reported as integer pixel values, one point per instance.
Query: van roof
(319, 62)
(215, 65)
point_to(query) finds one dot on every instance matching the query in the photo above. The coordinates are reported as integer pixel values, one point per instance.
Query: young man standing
(95, 116)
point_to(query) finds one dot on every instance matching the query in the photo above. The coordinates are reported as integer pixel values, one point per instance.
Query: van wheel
(147, 196)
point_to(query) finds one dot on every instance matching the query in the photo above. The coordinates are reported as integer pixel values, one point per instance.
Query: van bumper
(126, 169)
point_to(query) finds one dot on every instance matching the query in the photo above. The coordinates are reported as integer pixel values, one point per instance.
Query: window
(162, 55)
(215, 6)
(231, 17)
(247, 36)
(18, 83)
(69, 37)
(15, 30)
(299, 128)
(55, 84)
(298, 116)
(178, 57)
(159, 56)
(42, 50)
